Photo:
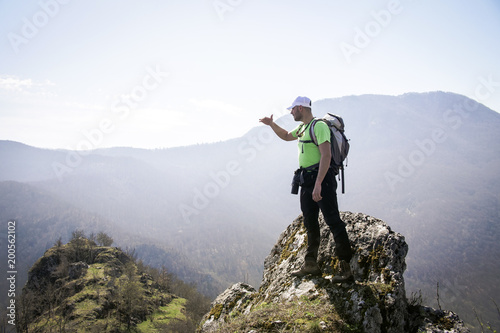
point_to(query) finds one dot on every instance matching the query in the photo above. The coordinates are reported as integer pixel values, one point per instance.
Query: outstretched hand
(267, 120)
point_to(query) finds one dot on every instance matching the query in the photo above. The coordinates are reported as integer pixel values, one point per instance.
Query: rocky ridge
(83, 287)
(375, 302)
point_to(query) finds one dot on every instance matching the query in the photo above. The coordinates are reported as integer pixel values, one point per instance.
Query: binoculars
(296, 181)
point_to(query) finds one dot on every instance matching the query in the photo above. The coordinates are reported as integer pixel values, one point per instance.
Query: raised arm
(280, 132)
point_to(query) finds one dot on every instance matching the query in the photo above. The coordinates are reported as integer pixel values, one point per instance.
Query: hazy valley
(427, 164)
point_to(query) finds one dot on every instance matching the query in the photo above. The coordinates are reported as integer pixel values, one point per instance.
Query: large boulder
(375, 302)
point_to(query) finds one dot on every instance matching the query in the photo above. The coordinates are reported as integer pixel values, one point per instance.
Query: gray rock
(375, 302)
(235, 297)
(77, 269)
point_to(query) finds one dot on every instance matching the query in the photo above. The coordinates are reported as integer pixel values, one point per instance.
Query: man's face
(297, 115)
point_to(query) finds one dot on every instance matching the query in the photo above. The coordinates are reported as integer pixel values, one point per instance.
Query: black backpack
(338, 142)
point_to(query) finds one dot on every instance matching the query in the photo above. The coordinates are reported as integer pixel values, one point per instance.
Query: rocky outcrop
(82, 287)
(375, 302)
(77, 269)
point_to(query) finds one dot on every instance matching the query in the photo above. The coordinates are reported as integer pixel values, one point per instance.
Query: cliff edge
(375, 302)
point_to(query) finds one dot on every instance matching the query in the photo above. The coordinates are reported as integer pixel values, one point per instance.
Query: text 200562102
(11, 272)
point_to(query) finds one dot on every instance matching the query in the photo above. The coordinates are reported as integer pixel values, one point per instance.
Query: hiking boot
(309, 267)
(345, 273)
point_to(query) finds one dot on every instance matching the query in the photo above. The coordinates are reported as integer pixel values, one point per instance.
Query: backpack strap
(313, 167)
(343, 181)
(300, 132)
(311, 124)
(312, 135)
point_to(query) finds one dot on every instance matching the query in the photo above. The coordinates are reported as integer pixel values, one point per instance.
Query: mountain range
(426, 163)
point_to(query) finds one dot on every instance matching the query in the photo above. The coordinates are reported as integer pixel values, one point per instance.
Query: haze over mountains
(427, 164)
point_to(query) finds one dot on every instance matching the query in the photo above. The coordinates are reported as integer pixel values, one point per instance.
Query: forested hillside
(86, 285)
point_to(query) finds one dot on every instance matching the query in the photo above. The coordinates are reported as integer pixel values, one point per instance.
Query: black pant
(329, 208)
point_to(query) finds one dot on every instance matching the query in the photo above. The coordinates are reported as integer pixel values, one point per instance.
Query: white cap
(302, 101)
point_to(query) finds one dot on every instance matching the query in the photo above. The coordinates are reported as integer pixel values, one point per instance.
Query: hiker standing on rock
(318, 188)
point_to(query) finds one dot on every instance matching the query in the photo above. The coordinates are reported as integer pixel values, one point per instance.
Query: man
(318, 188)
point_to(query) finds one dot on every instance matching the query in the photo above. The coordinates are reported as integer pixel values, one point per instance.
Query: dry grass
(302, 315)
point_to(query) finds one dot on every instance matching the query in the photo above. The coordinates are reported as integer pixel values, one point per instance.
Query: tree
(58, 242)
(78, 233)
(130, 297)
(78, 243)
(103, 239)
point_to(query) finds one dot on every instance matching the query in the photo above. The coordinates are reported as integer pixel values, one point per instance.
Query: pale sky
(155, 74)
